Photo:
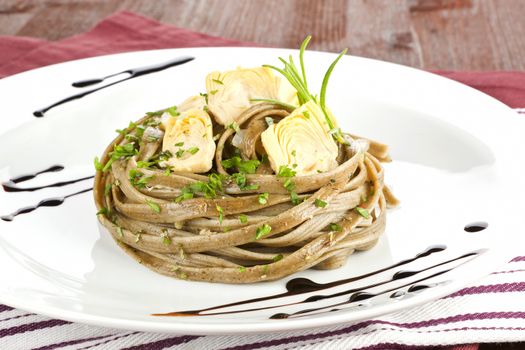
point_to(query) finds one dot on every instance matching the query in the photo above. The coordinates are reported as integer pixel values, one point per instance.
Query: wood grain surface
(430, 34)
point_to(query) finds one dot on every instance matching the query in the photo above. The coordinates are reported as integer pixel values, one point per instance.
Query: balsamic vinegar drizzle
(12, 186)
(303, 285)
(476, 226)
(22, 178)
(48, 202)
(133, 73)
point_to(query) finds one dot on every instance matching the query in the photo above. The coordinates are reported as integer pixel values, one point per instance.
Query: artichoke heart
(230, 93)
(192, 102)
(189, 138)
(301, 141)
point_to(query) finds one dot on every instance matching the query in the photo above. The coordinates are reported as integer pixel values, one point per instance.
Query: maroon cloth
(126, 31)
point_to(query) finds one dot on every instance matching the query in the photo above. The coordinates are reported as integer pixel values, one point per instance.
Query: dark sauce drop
(360, 296)
(48, 202)
(297, 286)
(417, 287)
(133, 73)
(476, 226)
(22, 178)
(11, 186)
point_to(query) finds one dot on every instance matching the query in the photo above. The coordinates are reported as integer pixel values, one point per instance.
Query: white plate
(455, 162)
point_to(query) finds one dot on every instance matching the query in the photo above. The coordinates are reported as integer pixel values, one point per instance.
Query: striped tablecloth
(493, 310)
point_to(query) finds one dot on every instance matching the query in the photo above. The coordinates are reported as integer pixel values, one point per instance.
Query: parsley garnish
(213, 92)
(295, 198)
(335, 227)
(166, 239)
(98, 165)
(363, 212)
(285, 171)
(193, 150)
(277, 257)
(125, 151)
(221, 213)
(107, 189)
(244, 166)
(103, 211)
(233, 126)
(320, 203)
(243, 219)
(154, 206)
(138, 179)
(173, 111)
(242, 269)
(262, 231)
(263, 198)
(205, 96)
(218, 81)
(179, 144)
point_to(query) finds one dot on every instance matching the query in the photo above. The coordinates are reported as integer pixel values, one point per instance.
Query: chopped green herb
(320, 203)
(103, 211)
(107, 189)
(166, 239)
(243, 219)
(125, 151)
(363, 212)
(294, 153)
(154, 206)
(244, 166)
(205, 96)
(173, 111)
(152, 138)
(335, 227)
(98, 166)
(179, 144)
(155, 114)
(193, 150)
(233, 126)
(213, 92)
(168, 171)
(221, 213)
(295, 198)
(265, 269)
(184, 196)
(277, 257)
(137, 179)
(262, 231)
(242, 269)
(285, 171)
(306, 114)
(179, 153)
(289, 185)
(263, 198)
(218, 81)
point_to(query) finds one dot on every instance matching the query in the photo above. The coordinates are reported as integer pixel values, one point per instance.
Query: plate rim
(212, 328)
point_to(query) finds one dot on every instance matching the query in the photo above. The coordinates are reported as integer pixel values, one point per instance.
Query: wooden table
(430, 34)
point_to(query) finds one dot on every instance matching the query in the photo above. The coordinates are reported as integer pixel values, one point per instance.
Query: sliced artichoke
(193, 102)
(189, 138)
(230, 93)
(301, 141)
